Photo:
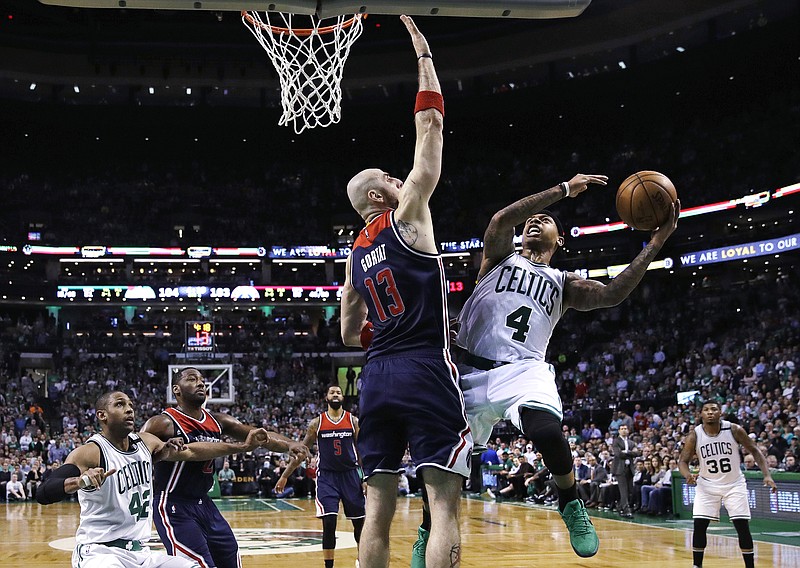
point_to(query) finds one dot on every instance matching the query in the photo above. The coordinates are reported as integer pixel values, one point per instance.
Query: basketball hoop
(309, 62)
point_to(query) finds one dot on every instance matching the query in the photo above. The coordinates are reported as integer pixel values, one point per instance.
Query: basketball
(644, 200)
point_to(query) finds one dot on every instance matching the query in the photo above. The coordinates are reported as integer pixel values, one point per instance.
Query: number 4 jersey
(719, 455)
(405, 290)
(512, 312)
(120, 508)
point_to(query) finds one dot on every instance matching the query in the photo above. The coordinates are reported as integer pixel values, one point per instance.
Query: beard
(335, 404)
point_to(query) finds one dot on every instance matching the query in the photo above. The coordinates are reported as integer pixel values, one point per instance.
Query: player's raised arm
(355, 327)
(585, 295)
(498, 240)
(429, 121)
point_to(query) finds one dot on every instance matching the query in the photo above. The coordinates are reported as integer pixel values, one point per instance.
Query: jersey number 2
(518, 321)
(386, 277)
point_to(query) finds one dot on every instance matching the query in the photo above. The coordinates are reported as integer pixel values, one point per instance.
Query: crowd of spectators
(731, 337)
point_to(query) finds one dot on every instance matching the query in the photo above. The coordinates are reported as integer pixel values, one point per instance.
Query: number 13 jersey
(405, 290)
(512, 312)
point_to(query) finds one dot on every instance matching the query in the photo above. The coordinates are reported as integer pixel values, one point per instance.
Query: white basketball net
(309, 65)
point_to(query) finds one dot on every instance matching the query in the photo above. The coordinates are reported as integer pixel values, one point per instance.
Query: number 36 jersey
(405, 290)
(512, 312)
(719, 455)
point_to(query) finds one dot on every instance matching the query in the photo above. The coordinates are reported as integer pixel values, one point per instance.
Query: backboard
(536, 9)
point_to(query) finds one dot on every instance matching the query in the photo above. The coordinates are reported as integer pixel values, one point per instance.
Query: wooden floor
(497, 535)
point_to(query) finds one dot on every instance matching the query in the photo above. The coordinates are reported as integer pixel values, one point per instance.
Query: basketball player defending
(338, 478)
(112, 474)
(187, 520)
(505, 327)
(395, 288)
(720, 482)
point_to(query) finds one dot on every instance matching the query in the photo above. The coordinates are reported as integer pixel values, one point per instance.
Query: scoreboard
(199, 337)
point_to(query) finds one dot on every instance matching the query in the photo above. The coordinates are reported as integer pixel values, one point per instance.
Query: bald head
(358, 189)
(373, 191)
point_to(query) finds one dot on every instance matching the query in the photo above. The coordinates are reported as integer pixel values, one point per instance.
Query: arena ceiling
(114, 56)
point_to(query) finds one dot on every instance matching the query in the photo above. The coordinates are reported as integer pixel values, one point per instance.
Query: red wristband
(366, 335)
(429, 99)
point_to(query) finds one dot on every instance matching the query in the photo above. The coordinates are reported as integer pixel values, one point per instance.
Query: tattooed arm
(498, 241)
(585, 295)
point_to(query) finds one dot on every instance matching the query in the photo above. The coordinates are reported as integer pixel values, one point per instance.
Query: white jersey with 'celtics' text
(512, 312)
(121, 507)
(719, 455)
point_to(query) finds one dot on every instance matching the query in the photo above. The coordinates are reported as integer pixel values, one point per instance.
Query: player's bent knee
(544, 430)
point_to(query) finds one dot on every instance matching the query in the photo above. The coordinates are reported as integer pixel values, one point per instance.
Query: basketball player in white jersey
(112, 474)
(505, 327)
(720, 480)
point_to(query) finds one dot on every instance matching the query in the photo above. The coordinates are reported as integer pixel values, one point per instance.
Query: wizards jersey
(336, 442)
(188, 479)
(405, 290)
(512, 312)
(120, 507)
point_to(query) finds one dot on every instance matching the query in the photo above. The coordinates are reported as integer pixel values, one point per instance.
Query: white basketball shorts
(498, 394)
(709, 495)
(101, 556)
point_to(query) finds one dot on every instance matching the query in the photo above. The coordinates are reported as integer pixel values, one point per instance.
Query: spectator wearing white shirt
(15, 491)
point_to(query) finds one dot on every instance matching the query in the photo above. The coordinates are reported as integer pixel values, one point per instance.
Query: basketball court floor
(285, 534)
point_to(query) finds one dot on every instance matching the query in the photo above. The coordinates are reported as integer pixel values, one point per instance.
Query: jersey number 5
(518, 321)
(396, 307)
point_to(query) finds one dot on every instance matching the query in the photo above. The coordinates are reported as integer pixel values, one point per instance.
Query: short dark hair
(102, 401)
(556, 220)
(704, 402)
(178, 374)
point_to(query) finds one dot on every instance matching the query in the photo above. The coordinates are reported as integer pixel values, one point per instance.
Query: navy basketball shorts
(412, 399)
(195, 529)
(344, 486)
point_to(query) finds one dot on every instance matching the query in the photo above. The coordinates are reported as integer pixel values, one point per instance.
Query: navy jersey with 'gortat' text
(405, 290)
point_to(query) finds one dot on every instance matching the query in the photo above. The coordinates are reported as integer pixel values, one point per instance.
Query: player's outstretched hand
(299, 450)
(177, 443)
(661, 234)
(580, 183)
(420, 43)
(280, 485)
(769, 482)
(95, 476)
(692, 479)
(256, 438)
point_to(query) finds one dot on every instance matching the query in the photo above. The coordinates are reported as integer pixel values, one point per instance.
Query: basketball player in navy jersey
(720, 480)
(112, 474)
(187, 520)
(395, 281)
(335, 432)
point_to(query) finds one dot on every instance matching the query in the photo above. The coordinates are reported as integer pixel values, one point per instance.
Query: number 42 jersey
(405, 290)
(512, 312)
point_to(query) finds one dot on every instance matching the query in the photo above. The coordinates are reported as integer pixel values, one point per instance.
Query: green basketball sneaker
(418, 551)
(582, 535)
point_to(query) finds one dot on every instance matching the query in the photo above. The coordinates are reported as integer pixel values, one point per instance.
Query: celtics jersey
(120, 508)
(719, 455)
(512, 312)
